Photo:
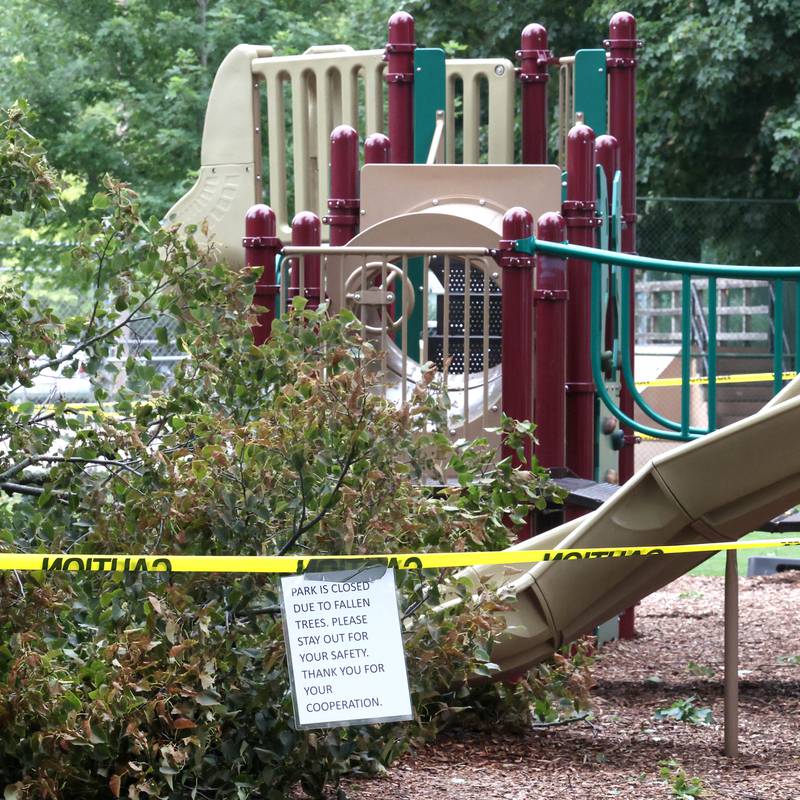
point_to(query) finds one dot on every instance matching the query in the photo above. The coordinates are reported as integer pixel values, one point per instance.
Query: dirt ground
(678, 654)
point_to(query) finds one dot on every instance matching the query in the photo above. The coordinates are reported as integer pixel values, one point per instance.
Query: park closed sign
(345, 648)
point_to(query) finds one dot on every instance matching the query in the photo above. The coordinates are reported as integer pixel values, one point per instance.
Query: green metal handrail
(626, 360)
(566, 250)
(681, 431)
(597, 368)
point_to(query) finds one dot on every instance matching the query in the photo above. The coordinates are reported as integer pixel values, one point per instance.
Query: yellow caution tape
(752, 377)
(61, 562)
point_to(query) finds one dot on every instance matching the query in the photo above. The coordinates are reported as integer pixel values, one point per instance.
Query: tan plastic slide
(714, 489)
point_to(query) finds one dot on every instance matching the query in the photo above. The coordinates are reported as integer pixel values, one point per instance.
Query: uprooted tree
(151, 685)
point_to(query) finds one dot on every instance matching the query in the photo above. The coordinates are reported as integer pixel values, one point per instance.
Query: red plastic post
(550, 296)
(534, 60)
(606, 150)
(306, 230)
(517, 329)
(399, 55)
(621, 62)
(579, 212)
(261, 246)
(377, 149)
(622, 45)
(343, 204)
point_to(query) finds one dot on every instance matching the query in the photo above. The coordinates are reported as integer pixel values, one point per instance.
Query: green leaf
(101, 201)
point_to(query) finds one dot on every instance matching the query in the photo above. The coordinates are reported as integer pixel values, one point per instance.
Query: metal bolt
(482, 202)
(494, 409)
(452, 431)
(363, 211)
(435, 202)
(389, 296)
(499, 70)
(495, 275)
(357, 296)
(419, 69)
(258, 130)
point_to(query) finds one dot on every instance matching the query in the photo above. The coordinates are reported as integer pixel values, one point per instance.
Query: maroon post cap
(550, 227)
(622, 26)
(306, 229)
(534, 37)
(377, 149)
(401, 28)
(517, 223)
(259, 221)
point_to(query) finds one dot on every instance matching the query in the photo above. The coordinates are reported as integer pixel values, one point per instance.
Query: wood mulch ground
(678, 654)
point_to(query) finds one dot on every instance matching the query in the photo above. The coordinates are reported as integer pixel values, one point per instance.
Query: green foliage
(719, 111)
(147, 685)
(122, 87)
(700, 670)
(686, 711)
(26, 181)
(561, 687)
(683, 787)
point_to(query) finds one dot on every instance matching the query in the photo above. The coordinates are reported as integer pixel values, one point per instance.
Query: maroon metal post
(261, 246)
(606, 150)
(517, 330)
(377, 149)
(343, 204)
(399, 55)
(306, 230)
(534, 60)
(621, 62)
(550, 319)
(579, 212)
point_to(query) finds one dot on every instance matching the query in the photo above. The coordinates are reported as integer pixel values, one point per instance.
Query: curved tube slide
(717, 488)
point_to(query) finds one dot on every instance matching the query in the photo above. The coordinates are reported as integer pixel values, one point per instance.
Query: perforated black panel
(455, 300)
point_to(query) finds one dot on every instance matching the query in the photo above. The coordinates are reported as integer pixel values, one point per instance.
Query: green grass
(716, 564)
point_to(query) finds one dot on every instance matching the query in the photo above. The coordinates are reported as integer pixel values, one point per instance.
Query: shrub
(173, 686)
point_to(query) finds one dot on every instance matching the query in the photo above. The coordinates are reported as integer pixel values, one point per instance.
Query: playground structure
(413, 234)
(431, 242)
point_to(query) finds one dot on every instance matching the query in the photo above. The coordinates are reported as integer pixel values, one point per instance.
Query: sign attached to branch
(345, 648)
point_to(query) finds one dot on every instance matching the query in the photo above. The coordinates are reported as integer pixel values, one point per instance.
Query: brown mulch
(617, 754)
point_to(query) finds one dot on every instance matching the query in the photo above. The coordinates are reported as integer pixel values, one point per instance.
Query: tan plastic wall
(318, 90)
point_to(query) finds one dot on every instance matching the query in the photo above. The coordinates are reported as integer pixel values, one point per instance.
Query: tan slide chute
(714, 489)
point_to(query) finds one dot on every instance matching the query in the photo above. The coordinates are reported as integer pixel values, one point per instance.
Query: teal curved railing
(672, 430)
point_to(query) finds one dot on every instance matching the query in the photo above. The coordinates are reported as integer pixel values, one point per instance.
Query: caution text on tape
(60, 562)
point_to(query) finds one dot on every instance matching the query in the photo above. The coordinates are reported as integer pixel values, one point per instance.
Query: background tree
(122, 87)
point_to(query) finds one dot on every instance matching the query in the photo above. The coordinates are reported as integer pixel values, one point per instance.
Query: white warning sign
(345, 648)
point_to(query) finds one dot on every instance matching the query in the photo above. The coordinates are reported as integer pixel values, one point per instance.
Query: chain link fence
(716, 231)
(34, 266)
(687, 229)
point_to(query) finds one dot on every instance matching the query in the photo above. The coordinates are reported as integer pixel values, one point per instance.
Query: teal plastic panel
(590, 88)
(429, 97)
